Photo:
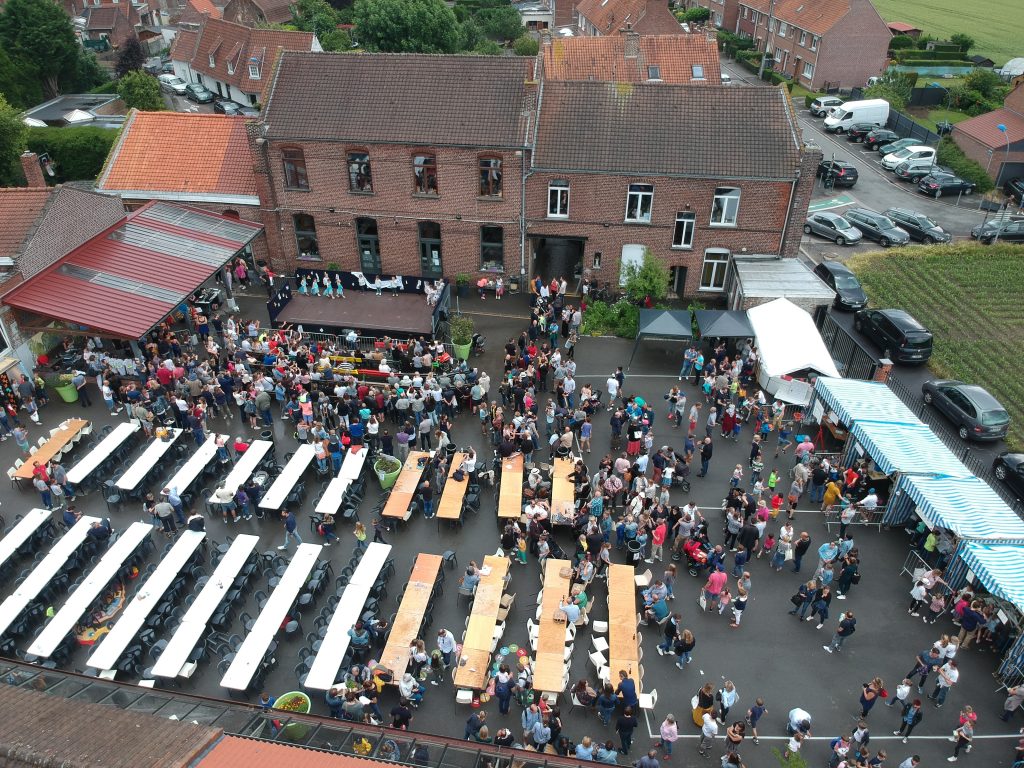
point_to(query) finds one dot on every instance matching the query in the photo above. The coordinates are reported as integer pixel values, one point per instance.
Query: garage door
(1009, 171)
(631, 254)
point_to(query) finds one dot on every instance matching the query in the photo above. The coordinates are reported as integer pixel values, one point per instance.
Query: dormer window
(231, 67)
(254, 70)
(213, 61)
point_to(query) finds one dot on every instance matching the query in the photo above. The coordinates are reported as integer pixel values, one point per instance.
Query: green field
(996, 25)
(968, 295)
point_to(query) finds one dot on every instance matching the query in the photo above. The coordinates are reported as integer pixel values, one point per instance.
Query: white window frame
(213, 61)
(688, 219)
(725, 194)
(783, 29)
(803, 38)
(697, 72)
(719, 257)
(254, 71)
(814, 42)
(231, 68)
(808, 70)
(642, 192)
(562, 207)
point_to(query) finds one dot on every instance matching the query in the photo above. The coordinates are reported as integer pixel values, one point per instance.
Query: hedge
(79, 153)
(950, 155)
(911, 53)
(935, 63)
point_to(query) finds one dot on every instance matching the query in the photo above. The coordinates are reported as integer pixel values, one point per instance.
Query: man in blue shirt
(290, 524)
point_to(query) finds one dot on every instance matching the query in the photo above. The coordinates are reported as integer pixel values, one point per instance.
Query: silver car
(833, 226)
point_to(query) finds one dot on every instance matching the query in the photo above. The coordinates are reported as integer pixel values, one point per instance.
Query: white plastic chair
(643, 580)
(599, 644)
(598, 627)
(598, 660)
(648, 700)
(568, 652)
(41, 442)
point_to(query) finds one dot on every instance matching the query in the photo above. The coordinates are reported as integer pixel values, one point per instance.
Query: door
(678, 281)
(631, 254)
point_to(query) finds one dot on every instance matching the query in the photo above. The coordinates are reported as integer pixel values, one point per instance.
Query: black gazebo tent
(662, 324)
(723, 324)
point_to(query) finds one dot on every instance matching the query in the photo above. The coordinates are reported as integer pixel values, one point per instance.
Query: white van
(867, 111)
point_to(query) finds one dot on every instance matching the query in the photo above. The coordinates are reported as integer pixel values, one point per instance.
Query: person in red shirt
(39, 470)
(713, 587)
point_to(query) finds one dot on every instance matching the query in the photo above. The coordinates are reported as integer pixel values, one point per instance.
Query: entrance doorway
(677, 280)
(557, 257)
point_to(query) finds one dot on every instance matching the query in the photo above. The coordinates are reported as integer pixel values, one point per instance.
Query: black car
(838, 277)
(877, 227)
(858, 131)
(1015, 187)
(903, 339)
(918, 226)
(939, 184)
(1008, 230)
(839, 172)
(199, 93)
(880, 137)
(1009, 467)
(228, 107)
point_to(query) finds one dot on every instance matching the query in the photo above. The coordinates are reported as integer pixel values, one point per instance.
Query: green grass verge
(936, 116)
(997, 26)
(968, 295)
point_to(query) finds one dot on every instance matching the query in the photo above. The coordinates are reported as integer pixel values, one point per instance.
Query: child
(793, 747)
(737, 476)
(758, 488)
(776, 504)
(360, 533)
(773, 480)
(723, 600)
(620, 534)
(768, 546)
(521, 549)
(936, 605)
(754, 714)
(902, 692)
(669, 579)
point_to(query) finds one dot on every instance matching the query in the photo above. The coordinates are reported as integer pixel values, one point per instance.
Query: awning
(129, 277)
(662, 324)
(853, 400)
(723, 323)
(907, 448)
(964, 505)
(788, 340)
(998, 566)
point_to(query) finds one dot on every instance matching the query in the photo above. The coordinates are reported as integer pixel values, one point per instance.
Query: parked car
(939, 184)
(726, 79)
(821, 105)
(199, 93)
(917, 169)
(229, 107)
(902, 338)
(875, 226)
(833, 226)
(859, 131)
(1010, 231)
(1015, 187)
(915, 152)
(838, 277)
(852, 112)
(880, 136)
(840, 172)
(918, 226)
(896, 146)
(1009, 467)
(172, 84)
(975, 413)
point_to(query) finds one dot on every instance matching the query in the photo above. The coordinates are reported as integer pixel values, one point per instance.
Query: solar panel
(200, 222)
(141, 236)
(125, 284)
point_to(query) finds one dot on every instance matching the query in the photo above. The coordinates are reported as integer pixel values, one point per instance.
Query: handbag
(702, 601)
(797, 599)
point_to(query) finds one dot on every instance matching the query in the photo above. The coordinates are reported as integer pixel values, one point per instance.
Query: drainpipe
(789, 212)
(522, 219)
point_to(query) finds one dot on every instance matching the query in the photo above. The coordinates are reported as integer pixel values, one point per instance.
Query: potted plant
(61, 382)
(462, 285)
(462, 335)
(294, 702)
(387, 468)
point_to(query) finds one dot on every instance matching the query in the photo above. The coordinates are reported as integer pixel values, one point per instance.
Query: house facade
(834, 44)
(723, 12)
(608, 17)
(1000, 152)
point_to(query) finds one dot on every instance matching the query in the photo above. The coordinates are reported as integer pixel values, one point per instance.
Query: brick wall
(855, 48)
(457, 207)
(979, 153)
(809, 159)
(597, 205)
(1015, 99)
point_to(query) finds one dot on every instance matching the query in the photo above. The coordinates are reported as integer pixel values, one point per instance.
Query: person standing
(708, 732)
(625, 726)
(706, 451)
(869, 695)
(847, 626)
(669, 732)
(800, 549)
(1014, 698)
(754, 714)
(948, 675)
(911, 717)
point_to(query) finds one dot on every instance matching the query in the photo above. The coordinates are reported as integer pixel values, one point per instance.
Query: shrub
(79, 153)
(649, 279)
(730, 44)
(525, 46)
(811, 97)
(949, 154)
(899, 42)
(618, 319)
(461, 329)
(915, 62)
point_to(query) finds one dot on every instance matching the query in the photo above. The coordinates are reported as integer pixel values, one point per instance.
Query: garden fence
(906, 126)
(852, 359)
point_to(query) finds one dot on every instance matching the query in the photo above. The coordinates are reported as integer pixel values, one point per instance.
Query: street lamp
(1006, 138)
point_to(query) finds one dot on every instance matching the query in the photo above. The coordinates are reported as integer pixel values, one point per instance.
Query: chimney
(632, 42)
(883, 370)
(33, 173)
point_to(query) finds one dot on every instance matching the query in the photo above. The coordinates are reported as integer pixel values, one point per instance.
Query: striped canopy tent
(907, 448)
(852, 400)
(966, 506)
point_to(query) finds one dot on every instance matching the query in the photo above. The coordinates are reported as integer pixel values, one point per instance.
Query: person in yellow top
(360, 534)
(833, 492)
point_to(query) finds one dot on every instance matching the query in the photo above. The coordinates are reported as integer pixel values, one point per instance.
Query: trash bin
(208, 300)
(562, 452)
(634, 553)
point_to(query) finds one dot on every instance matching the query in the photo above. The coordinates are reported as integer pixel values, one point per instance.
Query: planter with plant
(61, 383)
(462, 336)
(462, 285)
(295, 702)
(387, 469)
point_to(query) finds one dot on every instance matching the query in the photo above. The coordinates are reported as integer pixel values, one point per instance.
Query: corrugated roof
(985, 128)
(20, 208)
(139, 161)
(51, 732)
(648, 17)
(400, 99)
(665, 129)
(629, 57)
(816, 16)
(235, 751)
(127, 278)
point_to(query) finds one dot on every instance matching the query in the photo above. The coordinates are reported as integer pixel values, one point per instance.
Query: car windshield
(884, 223)
(905, 152)
(842, 223)
(994, 418)
(848, 282)
(924, 221)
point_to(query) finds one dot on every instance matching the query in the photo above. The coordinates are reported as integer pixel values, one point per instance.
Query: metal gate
(850, 356)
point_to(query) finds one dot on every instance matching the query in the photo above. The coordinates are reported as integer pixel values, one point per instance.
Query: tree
(501, 23)
(893, 89)
(39, 37)
(487, 48)
(86, 74)
(321, 18)
(697, 15)
(525, 45)
(12, 143)
(985, 81)
(900, 42)
(130, 57)
(406, 26)
(140, 90)
(966, 42)
(19, 89)
(650, 279)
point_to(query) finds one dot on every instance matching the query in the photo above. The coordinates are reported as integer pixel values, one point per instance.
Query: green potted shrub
(61, 383)
(462, 336)
(295, 702)
(462, 285)
(387, 468)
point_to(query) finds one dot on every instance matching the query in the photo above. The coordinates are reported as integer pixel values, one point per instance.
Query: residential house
(723, 12)
(820, 43)
(144, 164)
(607, 17)
(41, 224)
(902, 28)
(620, 169)
(253, 12)
(1000, 152)
(629, 57)
(234, 60)
(101, 110)
(195, 13)
(537, 15)
(113, 22)
(424, 182)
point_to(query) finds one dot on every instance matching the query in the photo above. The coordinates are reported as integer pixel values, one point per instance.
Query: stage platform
(404, 314)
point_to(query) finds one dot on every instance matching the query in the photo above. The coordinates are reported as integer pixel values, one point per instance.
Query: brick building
(607, 17)
(723, 12)
(826, 43)
(1000, 153)
(253, 12)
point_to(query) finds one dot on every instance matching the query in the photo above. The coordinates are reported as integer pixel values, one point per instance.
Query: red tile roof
(183, 46)
(815, 16)
(648, 17)
(207, 7)
(127, 278)
(985, 128)
(900, 26)
(275, 11)
(235, 751)
(20, 208)
(605, 58)
(139, 161)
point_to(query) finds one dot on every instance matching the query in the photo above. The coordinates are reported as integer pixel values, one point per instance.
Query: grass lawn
(929, 118)
(996, 25)
(968, 295)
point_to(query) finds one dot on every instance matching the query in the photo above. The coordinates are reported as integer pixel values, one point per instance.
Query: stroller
(696, 551)
(681, 476)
